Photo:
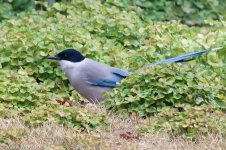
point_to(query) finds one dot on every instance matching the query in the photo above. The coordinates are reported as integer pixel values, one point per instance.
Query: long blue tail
(183, 58)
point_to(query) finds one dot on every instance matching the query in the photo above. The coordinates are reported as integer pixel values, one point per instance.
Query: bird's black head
(69, 55)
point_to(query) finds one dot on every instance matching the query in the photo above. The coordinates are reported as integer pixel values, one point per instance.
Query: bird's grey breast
(81, 74)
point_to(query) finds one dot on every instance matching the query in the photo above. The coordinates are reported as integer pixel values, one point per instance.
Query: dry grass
(53, 136)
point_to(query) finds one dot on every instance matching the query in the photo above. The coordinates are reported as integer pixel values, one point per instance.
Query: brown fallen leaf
(125, 134)
(82, 105)
(134, 117)
(148, 42)
(128, 135)
(65, 102)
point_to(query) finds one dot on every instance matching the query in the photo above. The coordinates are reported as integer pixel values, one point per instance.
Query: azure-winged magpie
(91, 78)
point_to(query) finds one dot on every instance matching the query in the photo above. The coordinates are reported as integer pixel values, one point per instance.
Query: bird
(91, 78)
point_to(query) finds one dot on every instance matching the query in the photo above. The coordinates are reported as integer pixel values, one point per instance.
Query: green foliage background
(119, 35)
(188, 11)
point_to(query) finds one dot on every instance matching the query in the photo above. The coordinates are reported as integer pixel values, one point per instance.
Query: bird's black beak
(54, 57)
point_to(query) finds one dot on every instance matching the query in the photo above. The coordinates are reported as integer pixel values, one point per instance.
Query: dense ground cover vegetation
(185, 98)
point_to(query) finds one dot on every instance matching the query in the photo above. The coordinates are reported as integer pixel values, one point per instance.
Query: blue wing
(105, 83)
(114, 80)
(120, 72)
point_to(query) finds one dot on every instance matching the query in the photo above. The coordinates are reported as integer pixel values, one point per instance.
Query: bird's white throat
(68, 65)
